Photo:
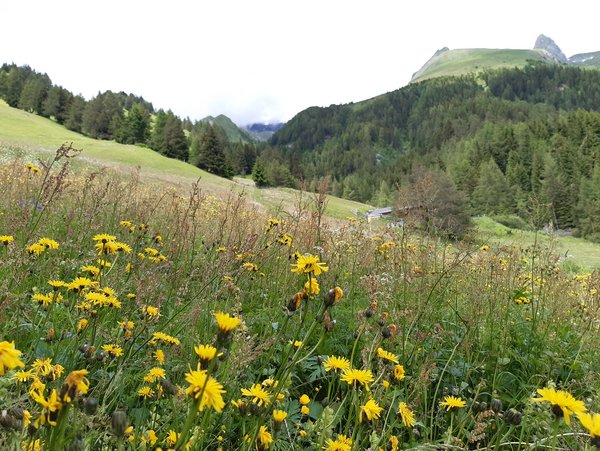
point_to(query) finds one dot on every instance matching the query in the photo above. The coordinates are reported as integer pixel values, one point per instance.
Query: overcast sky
(265, 61)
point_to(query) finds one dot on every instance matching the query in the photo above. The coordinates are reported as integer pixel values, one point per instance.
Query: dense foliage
(169, 318)
(509, 139)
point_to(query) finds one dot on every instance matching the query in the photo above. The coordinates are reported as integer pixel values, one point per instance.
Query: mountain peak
(545, 43)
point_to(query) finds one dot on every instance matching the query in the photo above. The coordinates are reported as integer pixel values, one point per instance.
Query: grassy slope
(572, 250)
(461, 61)
(39, 137)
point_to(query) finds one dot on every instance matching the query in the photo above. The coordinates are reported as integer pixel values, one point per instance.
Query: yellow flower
(226, 323)
(250, 266)
(205, 392)
(304, 399)
(32, 445)
(48, 243)
(342, 443)
(9, 357)
(151, 312)
(358, 377)
(205, 352)
(336, 363)
(309, 264)
(398, 373)
(43, 299)
(285, 240)
(75, 384)
(592, 423)
(452, 403)
(35, 248)
(50, 407)
(113, 350)
(6, 239)
(563, 403)
(370, 411)
(264, 437)
(172, 438)
(145, 392)
(159, 355)
(154, 374)
(93, 270)
(312, 287)
(161, 336)
(279, 415)
(258, 394)
(23, 376)
(42, 366)
(104, 238)
(82, 324)
(386, 355)
(407, 415)
(150, 437)
(394, 442)
(305, 410)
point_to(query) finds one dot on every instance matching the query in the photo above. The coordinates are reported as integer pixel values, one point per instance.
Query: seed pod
(368, 312)
(513, 416)
(168, 387)
(496, 405)
(90, 405)
(119, 423)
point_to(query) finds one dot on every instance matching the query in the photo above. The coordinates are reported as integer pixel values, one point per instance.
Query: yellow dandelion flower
(22, 376)
(91, 269)
(386, 355)
(159, 355)
(592, 423)
(205, 352)
(155, 374)
(279, 415)
(172, 438)
(452, 403)
(50, 407)
(264, 437)
(312, 287)
(206, 390)
(563, 403)
(35, 249)
(161, 336)
(145, 392)
(309, 264)
(226, 323)
(6, 239)
(407, 415)
(341, 443)
(48, 243)
(75, 384)
(370, 411)
(151, 312)
(42, 367)
(258, 394)
(113, 350)
(82, 324)
(398, 373)
(337, 364)
(357, 378)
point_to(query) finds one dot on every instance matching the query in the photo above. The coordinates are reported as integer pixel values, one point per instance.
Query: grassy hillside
(37, 137)
(573, 252)
(461, 61)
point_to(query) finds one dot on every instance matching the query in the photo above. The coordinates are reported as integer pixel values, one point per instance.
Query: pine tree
(259, 176)
(492, 195)
(208, 151)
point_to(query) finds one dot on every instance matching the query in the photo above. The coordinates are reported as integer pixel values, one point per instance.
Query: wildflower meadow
(141, 315)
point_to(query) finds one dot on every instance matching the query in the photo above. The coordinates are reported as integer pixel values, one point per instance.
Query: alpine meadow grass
(143, 315)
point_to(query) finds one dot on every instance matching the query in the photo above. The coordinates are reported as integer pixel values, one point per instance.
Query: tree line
(130, 119)
(522, 142)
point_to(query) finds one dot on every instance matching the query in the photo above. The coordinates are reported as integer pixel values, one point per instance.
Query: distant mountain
(446, 62)
(233, 132)
(263, 132)
(586, 59)
(546, 44)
